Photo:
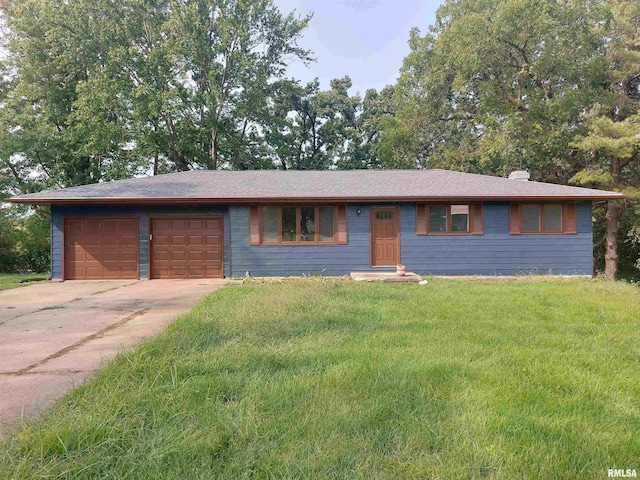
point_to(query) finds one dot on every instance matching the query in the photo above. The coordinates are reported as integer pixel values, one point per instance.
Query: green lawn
(332, 379)
(11, 280)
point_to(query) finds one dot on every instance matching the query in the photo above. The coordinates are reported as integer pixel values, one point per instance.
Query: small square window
(438, 218)
(553, 218)
(530, 218)
(459, 218)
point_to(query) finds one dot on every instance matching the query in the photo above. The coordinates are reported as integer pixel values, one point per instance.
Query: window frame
(298, 234)
(448, 230)
(542, 231)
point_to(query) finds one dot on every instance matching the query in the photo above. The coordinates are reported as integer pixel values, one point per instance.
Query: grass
(331, 379)
(12, 280)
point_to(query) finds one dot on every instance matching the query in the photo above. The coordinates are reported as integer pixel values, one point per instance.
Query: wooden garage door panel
(187, 248)
(101, 248)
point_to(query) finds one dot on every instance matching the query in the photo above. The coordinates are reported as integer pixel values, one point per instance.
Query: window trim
(449, 232)
(297, 240)
(542, 231)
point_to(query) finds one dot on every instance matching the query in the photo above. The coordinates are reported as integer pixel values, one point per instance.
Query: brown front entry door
(385, 239)
(187, 247)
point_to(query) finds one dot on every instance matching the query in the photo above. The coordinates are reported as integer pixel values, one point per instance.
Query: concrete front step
(389, 277)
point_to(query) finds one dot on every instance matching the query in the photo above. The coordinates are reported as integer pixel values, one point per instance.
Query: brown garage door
(100, 248)
(186, 248)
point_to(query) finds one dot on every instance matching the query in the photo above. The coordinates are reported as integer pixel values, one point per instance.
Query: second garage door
(186, 247)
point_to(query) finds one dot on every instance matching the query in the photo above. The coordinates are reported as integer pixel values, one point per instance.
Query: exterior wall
(284, 260)
(144, 213)
(496, 252)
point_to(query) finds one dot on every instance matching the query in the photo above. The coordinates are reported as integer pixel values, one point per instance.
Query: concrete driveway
(53, 335)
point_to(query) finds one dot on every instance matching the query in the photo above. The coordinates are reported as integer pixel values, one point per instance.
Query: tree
(613, 136)
(500, 85)
(103, 90)
(231, 50)
(362, 140)
(314, 129)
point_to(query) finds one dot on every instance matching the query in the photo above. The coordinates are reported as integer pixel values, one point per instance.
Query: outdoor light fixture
(358, 211)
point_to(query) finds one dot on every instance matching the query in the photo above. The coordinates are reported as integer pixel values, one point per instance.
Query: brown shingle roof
(345, 185)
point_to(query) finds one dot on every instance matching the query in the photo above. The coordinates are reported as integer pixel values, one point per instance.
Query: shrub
(24, 240)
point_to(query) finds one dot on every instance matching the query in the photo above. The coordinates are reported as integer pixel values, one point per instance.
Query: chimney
(521, 175)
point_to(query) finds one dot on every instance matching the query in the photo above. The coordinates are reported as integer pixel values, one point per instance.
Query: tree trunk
(214, 152)
(614, 210)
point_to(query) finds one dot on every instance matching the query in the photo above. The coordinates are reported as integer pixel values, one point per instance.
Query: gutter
(283, 200)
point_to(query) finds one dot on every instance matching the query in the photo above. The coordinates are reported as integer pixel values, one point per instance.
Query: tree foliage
(24, 240)
(550, 87)
(95, 90)
(99, 89)
(612, 139)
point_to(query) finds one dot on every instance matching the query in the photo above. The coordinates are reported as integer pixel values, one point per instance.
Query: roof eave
(280, 200)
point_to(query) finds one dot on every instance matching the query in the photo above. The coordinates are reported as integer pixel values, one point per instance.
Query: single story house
(201, 224)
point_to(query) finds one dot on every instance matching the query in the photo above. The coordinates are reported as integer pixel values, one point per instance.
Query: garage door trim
(66, 218)
(182, 217)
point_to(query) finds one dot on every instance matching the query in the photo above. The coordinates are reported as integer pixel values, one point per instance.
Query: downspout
(51, 243)
(227, 232)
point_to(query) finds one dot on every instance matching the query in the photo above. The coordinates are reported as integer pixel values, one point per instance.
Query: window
(459, 218)
(448, 219)
(288, 224)
(299, 225)
(552, 218)
(530, 218)
(326, 224)
(438, 218)
(384, 215)
(307, 224)
(270, 224)
(545, 218)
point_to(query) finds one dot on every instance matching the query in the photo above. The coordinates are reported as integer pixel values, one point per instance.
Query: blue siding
(58, 213)
(495, 252)
(283, 260)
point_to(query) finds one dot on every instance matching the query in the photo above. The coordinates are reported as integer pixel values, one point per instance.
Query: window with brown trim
(448, 219)
(542, 218)
(304, 225)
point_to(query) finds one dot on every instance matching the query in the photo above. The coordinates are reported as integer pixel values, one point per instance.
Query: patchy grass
(331, 379)
(12, 280)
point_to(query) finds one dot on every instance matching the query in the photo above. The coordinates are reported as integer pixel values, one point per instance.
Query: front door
(385, 244)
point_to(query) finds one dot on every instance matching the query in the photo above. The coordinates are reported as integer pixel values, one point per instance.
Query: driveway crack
(79, 343)
(63, 304)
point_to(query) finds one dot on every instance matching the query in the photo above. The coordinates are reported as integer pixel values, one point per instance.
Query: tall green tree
(232, 50)
(101, 89)
(361, 148)
(499, 85)
(318, 129)
(612, 139)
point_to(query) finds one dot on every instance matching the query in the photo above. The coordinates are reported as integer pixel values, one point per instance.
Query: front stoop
(388, 277)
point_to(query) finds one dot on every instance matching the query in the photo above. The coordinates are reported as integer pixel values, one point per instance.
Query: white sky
(365, 39)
